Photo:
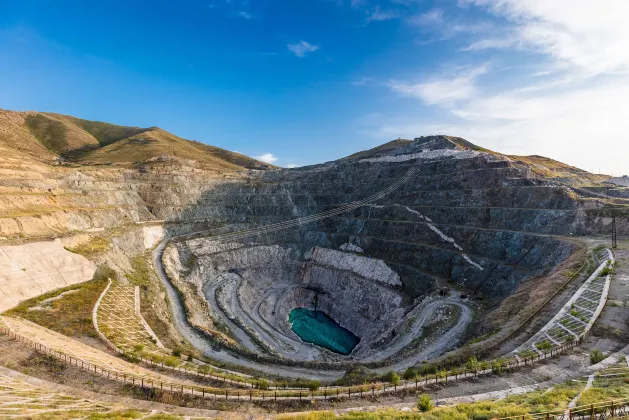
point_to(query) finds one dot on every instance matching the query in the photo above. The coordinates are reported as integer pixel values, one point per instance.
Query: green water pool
(318, 328)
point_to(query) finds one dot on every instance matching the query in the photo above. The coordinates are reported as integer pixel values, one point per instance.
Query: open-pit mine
(203, 278)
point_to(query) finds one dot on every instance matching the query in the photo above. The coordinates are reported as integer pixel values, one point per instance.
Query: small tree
(313, 385)
(472, 364)
(203, 369)
(262, 384)
(497, 366)
(424, 403)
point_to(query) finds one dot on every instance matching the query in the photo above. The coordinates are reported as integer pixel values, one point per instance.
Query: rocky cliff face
(467, 220)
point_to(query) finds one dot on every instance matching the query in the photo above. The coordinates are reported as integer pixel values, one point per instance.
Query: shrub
(138, 347)
(410, 373)
(204, 369)
(427, 369)
(355, 375)
(472, 364)
(171, 361)
(497, 366)
(424, 403)
(391, 377)
(313, 385)
(596, 356)
(261, 384)
(177, 352)
(130, 357)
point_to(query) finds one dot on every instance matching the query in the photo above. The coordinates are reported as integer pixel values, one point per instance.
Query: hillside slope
(49, 136)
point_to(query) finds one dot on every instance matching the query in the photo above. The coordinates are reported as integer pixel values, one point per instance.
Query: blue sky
(306, 81)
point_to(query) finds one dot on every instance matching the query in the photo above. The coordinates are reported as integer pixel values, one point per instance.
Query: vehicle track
(201, 343)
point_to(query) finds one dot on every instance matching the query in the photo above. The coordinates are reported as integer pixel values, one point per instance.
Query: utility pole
(614, 237)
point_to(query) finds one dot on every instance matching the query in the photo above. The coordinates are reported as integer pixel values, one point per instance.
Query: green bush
(472, 364)
(424, 403)
(497, 366)
(204, 369)
(171, 361)
(391, 377)
(410, 373)
(427, 369)
(261, 384)
(596, 356)
(132, 358)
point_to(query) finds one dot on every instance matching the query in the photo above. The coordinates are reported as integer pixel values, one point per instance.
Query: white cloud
(266, 157)
(292, 165)
(380, 15)
(443, 89)
(431, 17)
(590, 36)
(245, 15)
(560, 91)
(302, 48)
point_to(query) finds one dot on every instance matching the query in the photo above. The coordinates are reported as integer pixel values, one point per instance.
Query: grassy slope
(16, 136)
(57, 135)
(69, 315)
(157, 142)
(383, 147)
(103, 132)
(48, 135)
(550, 168)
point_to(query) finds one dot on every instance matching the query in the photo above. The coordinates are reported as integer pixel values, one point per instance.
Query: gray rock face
(466, 219)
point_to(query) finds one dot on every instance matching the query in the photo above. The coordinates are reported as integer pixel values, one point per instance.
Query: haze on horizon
(302, 82)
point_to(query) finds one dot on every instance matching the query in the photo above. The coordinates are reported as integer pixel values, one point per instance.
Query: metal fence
(599, 411)
(324, 393)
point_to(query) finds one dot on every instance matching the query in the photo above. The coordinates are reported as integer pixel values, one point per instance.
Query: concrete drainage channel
(577, 316)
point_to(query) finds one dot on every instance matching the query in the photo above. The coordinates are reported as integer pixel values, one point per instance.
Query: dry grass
(69, 315)
(95, 246)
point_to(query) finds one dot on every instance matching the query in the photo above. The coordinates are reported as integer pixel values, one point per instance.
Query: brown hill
(394, 144)
(48, 136)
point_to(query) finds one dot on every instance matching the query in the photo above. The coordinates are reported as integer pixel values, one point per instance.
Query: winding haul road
(196, 338)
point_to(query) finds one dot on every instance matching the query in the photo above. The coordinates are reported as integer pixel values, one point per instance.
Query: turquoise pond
(318, 328)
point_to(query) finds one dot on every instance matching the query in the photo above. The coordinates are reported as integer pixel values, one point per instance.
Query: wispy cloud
(292, 165)
(362, 81)
(590, 36)
(302, 48)
(245, 15)
(563, 98)
(431, 17)
(444, 88)
(378, 14)
(267, 157)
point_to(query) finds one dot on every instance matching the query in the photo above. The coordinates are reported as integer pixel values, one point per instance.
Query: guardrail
(325, 393)
(599, 411)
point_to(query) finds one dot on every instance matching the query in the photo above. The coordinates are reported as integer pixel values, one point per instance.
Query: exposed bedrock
(471, 222)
